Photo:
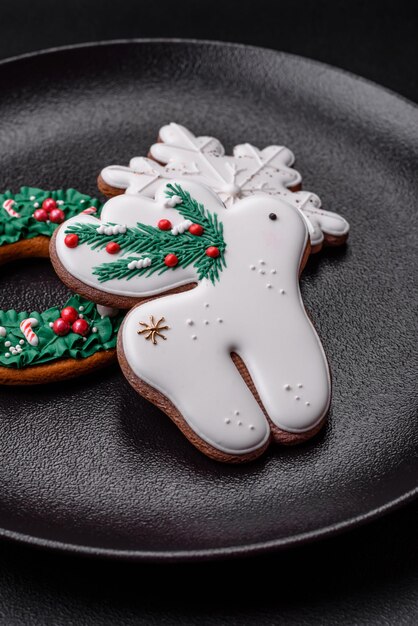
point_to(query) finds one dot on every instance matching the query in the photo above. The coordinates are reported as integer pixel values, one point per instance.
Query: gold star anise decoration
(153, 329)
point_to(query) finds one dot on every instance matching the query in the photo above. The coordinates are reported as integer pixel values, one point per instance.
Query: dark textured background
(367, 576)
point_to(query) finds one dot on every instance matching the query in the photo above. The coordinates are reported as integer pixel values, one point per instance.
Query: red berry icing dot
(49, 205)
(213, 252)
(69, 314)
(112, 247)
(196, 229)
(56, 216)
(81, 327)
(61, 327)
(171, 260)
(164, 225)
(71, 241)
(40, 215)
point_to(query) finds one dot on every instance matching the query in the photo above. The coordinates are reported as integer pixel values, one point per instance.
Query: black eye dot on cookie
(273, 216)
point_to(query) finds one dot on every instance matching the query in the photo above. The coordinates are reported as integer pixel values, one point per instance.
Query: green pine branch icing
(51, 347)
(149, 242)
(14, 229)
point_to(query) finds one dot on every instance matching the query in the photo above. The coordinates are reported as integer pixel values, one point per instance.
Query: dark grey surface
(375, 39)
(92, 464)
(369, 576)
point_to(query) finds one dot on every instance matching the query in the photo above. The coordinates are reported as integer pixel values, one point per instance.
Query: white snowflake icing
(248, 171)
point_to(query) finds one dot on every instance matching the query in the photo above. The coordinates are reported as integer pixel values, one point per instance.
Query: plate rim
(248, 549)
(211, 554)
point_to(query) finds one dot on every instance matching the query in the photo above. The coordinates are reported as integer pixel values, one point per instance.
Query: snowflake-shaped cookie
(248, 171)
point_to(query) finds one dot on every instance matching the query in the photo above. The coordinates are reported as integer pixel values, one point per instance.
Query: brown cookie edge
(62, 369)
(36, 247)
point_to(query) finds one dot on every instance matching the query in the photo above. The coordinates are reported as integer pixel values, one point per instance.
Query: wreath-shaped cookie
(64, 341)
(29, 218)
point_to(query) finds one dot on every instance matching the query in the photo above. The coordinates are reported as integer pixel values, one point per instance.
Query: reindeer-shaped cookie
(230, 355)
(247, 172)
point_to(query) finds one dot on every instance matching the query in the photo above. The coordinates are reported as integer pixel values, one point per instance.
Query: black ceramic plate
(90, 466)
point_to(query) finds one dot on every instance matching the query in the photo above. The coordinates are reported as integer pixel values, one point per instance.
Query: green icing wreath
(25, 203)
(102, 335)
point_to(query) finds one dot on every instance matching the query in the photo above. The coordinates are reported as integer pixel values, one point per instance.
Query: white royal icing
(255, 310)
(249, 171)
(106, 311)
(3, 331)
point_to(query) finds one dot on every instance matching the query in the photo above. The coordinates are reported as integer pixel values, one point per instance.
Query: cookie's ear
(142, 247)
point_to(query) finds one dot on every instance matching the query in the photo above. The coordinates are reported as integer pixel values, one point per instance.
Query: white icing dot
(13, 351)
(22, 341)
(94, 329)
(206, 322)
(206, 305)
(32, 198)
(51, 324)
(84, 338)
(81, 308)
(36, 205)
(171, 202)
(82, 201)
(189, 322)
(261, 271)
(308, 403)
(227, 420)
(300, 385)
(219, 320)
(81, 316)
(287, 387)
(60, 202)
(18, 349)
(239, 423)
(252, 267)
(7, 355)
(48, 221)
(251, 427)
(282, 291)
(194, 337)
(297, 397)
(236, 412)
(273, 271)
(269, 285)
(7, 344)
(3, 331)
(262, 262)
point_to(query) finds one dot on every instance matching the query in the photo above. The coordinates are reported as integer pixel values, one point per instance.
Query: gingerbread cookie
(247, 172)
(235, 361)
(57, 344)
(28, 219)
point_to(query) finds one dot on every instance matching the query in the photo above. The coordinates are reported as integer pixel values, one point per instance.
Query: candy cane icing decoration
(26, 328)
(90, 211)
(8, 207)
